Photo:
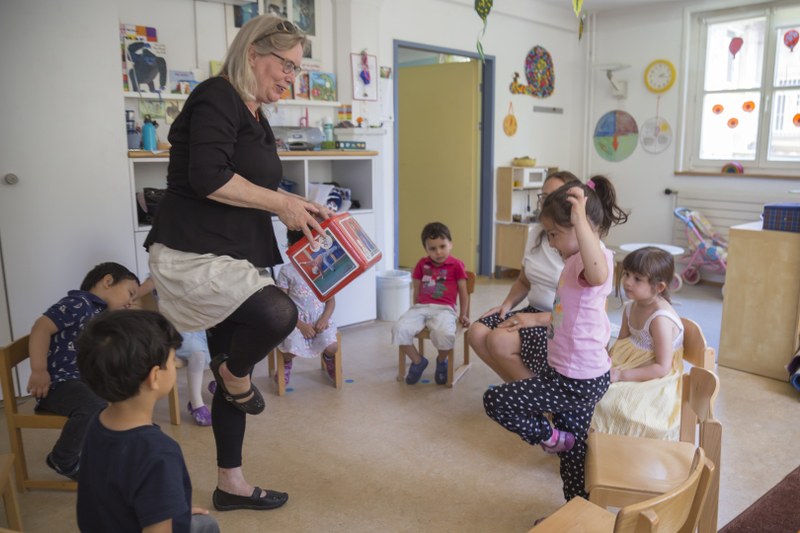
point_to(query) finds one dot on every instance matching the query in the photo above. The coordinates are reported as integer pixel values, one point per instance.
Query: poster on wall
(364, 70)
(300, 12)
(616, 135)
(304, 15)
(540, 74)
(655, 135)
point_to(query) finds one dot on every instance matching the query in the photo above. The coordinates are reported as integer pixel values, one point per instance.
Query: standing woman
(212, 237)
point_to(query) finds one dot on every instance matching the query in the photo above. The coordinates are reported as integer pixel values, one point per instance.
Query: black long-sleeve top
(213, 137)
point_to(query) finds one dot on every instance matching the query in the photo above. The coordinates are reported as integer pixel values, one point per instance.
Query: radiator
(723, 209)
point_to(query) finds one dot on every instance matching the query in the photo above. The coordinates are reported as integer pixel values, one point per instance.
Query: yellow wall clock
(659, 76)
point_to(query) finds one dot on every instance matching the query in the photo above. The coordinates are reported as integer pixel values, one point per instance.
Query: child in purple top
(55, 381)
(438, 279)
(577, 372)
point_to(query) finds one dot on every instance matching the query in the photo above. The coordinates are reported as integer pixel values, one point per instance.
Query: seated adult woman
(514, 344)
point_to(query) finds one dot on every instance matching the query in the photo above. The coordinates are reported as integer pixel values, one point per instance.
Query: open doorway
(444, 109)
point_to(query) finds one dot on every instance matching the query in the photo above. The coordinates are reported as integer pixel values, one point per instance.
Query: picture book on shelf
(301, 86)
(333, 260)
(181, 81)
(145, 65)
(322, 86)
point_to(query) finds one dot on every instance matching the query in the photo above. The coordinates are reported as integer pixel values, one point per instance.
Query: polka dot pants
(519, 407)
(533, 340)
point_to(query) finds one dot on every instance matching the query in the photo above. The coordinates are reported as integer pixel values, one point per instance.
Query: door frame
(486, 177)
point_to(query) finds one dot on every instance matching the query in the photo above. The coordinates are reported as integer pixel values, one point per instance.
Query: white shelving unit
(353, 170)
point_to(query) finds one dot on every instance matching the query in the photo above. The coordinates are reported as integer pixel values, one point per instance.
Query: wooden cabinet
(761, 308)
(510, 239)
(351, 170)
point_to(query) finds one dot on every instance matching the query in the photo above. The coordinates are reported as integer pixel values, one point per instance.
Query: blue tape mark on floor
(289, 389)
(349, 381)
(425, 381)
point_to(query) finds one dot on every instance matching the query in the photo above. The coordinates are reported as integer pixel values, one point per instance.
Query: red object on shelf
(333, 260)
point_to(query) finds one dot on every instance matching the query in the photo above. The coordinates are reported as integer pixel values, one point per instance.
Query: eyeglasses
(288, 65)
(541, 197)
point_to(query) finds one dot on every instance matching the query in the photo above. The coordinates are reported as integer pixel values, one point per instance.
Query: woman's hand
(39, 383)
(521, 320)
(306, 329)
(501, 310)
(299, 214)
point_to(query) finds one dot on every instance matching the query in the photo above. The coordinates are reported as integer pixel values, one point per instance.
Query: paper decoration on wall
(733, 122)
(655, 135)
(581, 25)
(736, 45)
(616, 135)
(146, 66)
(749, 106)
(510, 122)
(734, 167)
(482, 8)
(717, 109)
(364, 71)
(790, 39)
(539, 72)
(577, 5)
(796, 120)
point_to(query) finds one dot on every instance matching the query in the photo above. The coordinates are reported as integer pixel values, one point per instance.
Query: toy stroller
(707, 249)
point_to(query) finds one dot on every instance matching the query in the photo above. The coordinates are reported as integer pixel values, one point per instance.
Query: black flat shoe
(225, 501)
(255, 405)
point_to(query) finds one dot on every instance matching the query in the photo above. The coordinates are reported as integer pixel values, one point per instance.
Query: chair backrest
(470, 282)
(675, 511)
(11, 356)
(695, 349)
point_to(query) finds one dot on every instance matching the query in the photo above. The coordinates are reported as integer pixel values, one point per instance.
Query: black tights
(246, 336)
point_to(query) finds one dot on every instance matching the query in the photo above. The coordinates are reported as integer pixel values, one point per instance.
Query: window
(743, 103)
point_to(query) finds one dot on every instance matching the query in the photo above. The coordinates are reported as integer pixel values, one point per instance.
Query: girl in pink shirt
(577, 371)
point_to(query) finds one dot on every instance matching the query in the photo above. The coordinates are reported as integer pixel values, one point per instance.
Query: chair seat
(577, 516)
(651, 465)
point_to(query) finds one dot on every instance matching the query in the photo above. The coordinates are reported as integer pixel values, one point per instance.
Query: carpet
(774, 512)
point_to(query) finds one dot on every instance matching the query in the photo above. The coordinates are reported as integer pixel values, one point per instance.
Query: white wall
(637, 37)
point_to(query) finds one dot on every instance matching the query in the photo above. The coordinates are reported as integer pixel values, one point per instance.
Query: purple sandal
(564, 442)
(201, 415)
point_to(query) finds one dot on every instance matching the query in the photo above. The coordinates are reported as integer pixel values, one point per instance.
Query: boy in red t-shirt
(438, 278)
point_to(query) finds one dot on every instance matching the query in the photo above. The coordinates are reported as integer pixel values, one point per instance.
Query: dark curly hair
(435, 230)
(115, 270)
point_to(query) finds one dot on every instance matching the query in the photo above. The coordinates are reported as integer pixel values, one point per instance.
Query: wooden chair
(9, 494)
(148, 302)
(10, 357)
(453, 374)
(276, 362)
(622, 470)
(678, 510)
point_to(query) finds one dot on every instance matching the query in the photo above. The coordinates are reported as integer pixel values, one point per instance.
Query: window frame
(697, 20)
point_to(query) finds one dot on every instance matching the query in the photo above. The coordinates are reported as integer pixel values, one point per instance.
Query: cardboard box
(332, 261)
(782, 217)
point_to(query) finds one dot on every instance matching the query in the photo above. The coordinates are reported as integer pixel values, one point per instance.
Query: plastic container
(394, 294)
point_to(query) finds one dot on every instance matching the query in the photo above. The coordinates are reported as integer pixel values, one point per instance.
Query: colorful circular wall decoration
(796, 120)
(655, 135)
(539, 72)
(733, 122)
(790, 39)
(749, 106)
(733, 167)
(717, 109)
(616, 135)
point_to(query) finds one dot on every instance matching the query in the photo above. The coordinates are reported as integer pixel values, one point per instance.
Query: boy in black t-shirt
(133, 477)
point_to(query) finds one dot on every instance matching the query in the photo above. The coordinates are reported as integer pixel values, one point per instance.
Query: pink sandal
(564, 442)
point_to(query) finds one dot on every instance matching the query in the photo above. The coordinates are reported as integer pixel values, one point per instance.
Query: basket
(523, 162)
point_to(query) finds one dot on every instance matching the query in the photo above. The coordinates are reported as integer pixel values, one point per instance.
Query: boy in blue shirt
(55, 380)
(133, 476)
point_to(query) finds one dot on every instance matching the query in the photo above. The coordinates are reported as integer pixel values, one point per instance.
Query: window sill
(744, 175)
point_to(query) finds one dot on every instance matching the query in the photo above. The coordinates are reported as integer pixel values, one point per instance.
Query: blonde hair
(266, 34)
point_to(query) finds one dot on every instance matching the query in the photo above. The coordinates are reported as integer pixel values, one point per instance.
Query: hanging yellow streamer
(577, 6)
(482, 8)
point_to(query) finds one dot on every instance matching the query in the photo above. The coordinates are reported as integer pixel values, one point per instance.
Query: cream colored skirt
(198, 291)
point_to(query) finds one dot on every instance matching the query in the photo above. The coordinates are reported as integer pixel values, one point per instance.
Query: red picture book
(333, 260)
